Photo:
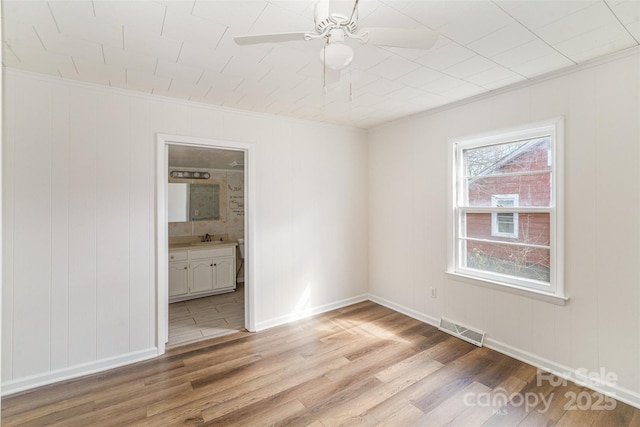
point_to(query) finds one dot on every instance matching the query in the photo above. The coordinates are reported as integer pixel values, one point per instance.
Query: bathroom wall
(79, 197)
(599, 327)
(230, 226)
(231, 222)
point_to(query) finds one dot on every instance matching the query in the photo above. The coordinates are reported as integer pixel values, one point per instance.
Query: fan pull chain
(353, 12)
(324, 68)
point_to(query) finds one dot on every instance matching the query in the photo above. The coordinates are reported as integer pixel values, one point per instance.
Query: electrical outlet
(434, 292)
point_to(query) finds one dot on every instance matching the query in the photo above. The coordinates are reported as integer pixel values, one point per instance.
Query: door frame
(162, 238)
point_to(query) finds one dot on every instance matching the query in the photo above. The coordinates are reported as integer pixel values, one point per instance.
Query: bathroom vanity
(201, 269)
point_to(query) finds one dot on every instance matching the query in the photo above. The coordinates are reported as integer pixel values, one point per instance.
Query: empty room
(320, 212)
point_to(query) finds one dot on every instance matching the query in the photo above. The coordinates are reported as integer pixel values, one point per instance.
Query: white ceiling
(184, 49)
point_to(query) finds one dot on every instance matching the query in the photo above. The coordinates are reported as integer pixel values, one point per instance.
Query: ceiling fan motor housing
(336, 21)
(336, 35)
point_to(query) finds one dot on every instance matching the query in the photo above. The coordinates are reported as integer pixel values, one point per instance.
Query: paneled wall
(408, 173)
(79, 220)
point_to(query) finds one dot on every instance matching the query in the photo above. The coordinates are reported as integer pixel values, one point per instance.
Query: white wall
(79, 231)
(408, 174)
(78, 221)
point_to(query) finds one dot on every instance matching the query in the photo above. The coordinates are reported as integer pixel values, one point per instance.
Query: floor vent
(462, 332)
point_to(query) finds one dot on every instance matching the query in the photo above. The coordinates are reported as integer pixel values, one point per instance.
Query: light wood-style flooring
(207, 317)
(360, 365)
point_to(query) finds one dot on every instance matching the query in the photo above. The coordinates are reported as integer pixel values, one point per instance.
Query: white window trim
(495, 230)
(555, 292)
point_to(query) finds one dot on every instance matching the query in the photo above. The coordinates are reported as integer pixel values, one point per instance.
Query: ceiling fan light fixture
(336, 56)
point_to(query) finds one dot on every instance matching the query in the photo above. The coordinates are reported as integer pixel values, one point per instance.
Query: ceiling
(185, 49)
(181, 156)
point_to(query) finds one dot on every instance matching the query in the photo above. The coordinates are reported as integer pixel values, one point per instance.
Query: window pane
(505, 203)
(532, 190)
(518, 261)
(533, 228)
(505, 222)
(519, 156)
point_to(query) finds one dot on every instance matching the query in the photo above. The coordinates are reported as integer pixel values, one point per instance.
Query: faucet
(206, 238)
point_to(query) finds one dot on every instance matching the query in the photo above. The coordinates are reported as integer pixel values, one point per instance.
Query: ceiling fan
(335, 28)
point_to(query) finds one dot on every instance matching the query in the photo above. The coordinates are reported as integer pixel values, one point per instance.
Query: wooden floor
(360, 365)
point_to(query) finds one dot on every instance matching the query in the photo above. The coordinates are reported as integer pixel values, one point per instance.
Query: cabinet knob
(172, 257)
(215, 265)
(185, 267)
(211, 265)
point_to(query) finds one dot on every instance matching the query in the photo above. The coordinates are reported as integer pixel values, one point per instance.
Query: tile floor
(206, 317)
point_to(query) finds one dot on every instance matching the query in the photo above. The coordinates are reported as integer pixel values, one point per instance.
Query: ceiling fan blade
(321, 12)
(268, 38)
(412, 38)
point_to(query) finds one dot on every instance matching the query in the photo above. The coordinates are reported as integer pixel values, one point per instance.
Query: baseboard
(33, 381)
(282, 320)
(430, 320)
(50, 377)
(574, 375)
(571, 374)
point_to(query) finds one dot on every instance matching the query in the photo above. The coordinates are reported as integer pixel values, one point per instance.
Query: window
(504, 224)
(506, 208)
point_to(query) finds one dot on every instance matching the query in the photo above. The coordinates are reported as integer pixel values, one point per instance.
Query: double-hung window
(506, 227)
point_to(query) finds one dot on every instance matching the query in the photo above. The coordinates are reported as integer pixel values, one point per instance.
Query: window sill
(516, 290)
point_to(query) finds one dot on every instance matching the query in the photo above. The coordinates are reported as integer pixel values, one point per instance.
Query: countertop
(201, 245)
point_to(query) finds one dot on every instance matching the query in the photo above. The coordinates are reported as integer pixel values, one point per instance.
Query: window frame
(552, 292)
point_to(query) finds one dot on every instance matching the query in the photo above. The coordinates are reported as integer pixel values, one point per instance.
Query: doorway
(217, 313)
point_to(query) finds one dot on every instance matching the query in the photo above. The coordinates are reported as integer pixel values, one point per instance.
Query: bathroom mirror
(193, 202)
(204, 202)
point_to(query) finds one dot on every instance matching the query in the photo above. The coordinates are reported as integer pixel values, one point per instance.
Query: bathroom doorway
(190, 316)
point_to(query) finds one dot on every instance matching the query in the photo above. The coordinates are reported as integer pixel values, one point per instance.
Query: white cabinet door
(178, 278)
(201, 272)
(225, 273)
(201, 275)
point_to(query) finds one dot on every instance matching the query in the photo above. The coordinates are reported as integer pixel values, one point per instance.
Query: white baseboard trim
(76, 371)
(572, 374)
(575, 375)
(430, 320)
(308, 312)
(38, 380)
